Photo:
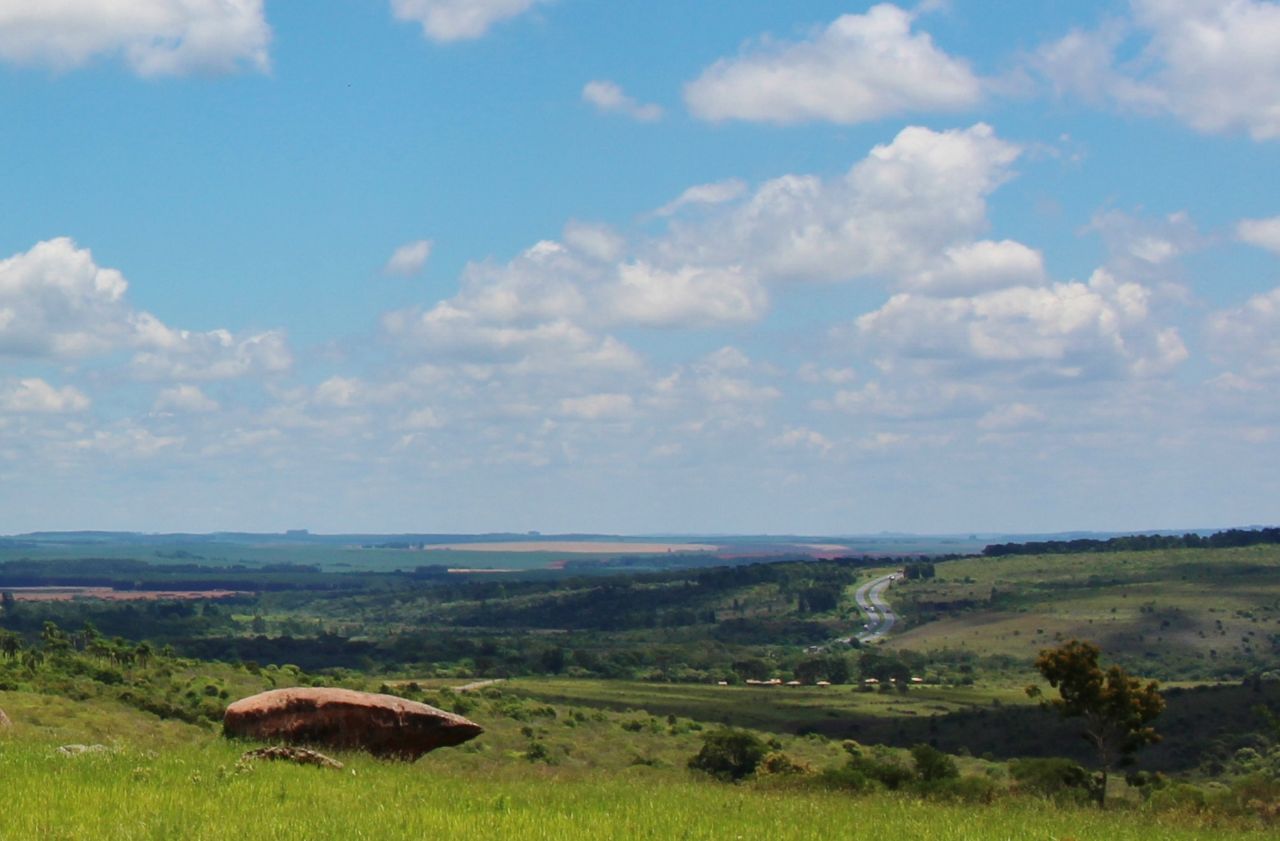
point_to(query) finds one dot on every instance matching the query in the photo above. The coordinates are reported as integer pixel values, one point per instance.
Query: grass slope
(1181, 612)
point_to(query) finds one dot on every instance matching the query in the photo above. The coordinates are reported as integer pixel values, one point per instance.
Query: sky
(639, 266)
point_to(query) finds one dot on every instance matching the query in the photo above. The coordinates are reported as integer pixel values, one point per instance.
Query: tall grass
(199, 792)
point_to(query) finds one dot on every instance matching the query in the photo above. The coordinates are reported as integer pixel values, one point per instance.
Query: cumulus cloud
(598, 406)
(893, 212)
(1214, 65)
(1144, 246)
(186, 399)
(907, 212)
(458, 20)
(36, 395)
(858, 68)
(1010, 416)
(57, 303)
(718, 192)
(979, 266)
(799, 437)
(1264, 233)
(153, 37)
(409, 258)
(170, 354)
(608, 97)
(1248, 336)
(688, 296)
(1066, 331)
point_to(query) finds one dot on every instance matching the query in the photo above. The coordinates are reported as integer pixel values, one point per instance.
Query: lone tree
(1116, 707)
(729, 754)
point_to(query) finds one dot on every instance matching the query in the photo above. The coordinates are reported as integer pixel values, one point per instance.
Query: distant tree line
(1138, 542)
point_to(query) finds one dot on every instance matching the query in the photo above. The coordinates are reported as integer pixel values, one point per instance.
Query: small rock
(301, 756)
(76, 750)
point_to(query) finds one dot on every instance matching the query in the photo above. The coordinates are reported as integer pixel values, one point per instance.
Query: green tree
(932, 765)
(10, 644)
(729, 754)
(1117, 708)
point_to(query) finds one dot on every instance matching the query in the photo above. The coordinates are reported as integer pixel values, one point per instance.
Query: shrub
(933, 765)
(538, 752)
(969, 789)
(847, 778)
(882, 768)
(1055, 777)
(728, 754)
(778, 763)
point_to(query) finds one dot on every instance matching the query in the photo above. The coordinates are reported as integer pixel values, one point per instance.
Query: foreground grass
(197, 792)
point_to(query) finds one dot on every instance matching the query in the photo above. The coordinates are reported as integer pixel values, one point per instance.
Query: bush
(779, 764)
(932, 765)
(882, 768)
(970, 789)
(1181, 797)
(847, 778)
(729, 754)
(1055, 777)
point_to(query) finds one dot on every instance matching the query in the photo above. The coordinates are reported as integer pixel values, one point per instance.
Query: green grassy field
(190, 785)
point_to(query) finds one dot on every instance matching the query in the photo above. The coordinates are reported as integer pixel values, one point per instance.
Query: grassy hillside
(603, 775)
(1186, 612)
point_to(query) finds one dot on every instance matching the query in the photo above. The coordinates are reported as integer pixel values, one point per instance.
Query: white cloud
(185, 398)
(1144, 246)
(859, 68)
(458, 20)
(1010, 416)
(802, 437)
(36, 395)
(718, 192)
(57, 303)
(338, 391)
(421, 419)
(1249, 336)
(689, 296)
(153, 37)
(170, 354)
(1264, 233)
(1212, 64)
(608, 97)
(127, 440)
(979, 266)
(409, 258)
(598, 406)
(892, 213)
(1067, 331)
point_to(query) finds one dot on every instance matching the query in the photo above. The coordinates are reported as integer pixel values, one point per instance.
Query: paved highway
(870, 599)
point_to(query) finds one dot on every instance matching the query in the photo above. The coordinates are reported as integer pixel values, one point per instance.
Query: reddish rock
(383, 725)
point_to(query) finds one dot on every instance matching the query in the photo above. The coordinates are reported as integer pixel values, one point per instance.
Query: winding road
(879, 615)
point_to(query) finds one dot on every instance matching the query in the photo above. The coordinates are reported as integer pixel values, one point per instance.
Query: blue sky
(442, 265)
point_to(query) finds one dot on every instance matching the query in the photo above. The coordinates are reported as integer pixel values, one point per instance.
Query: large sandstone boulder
(383, 725)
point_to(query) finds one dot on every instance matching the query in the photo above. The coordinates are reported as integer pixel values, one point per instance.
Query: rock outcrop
(4, 721)
(383, 725)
